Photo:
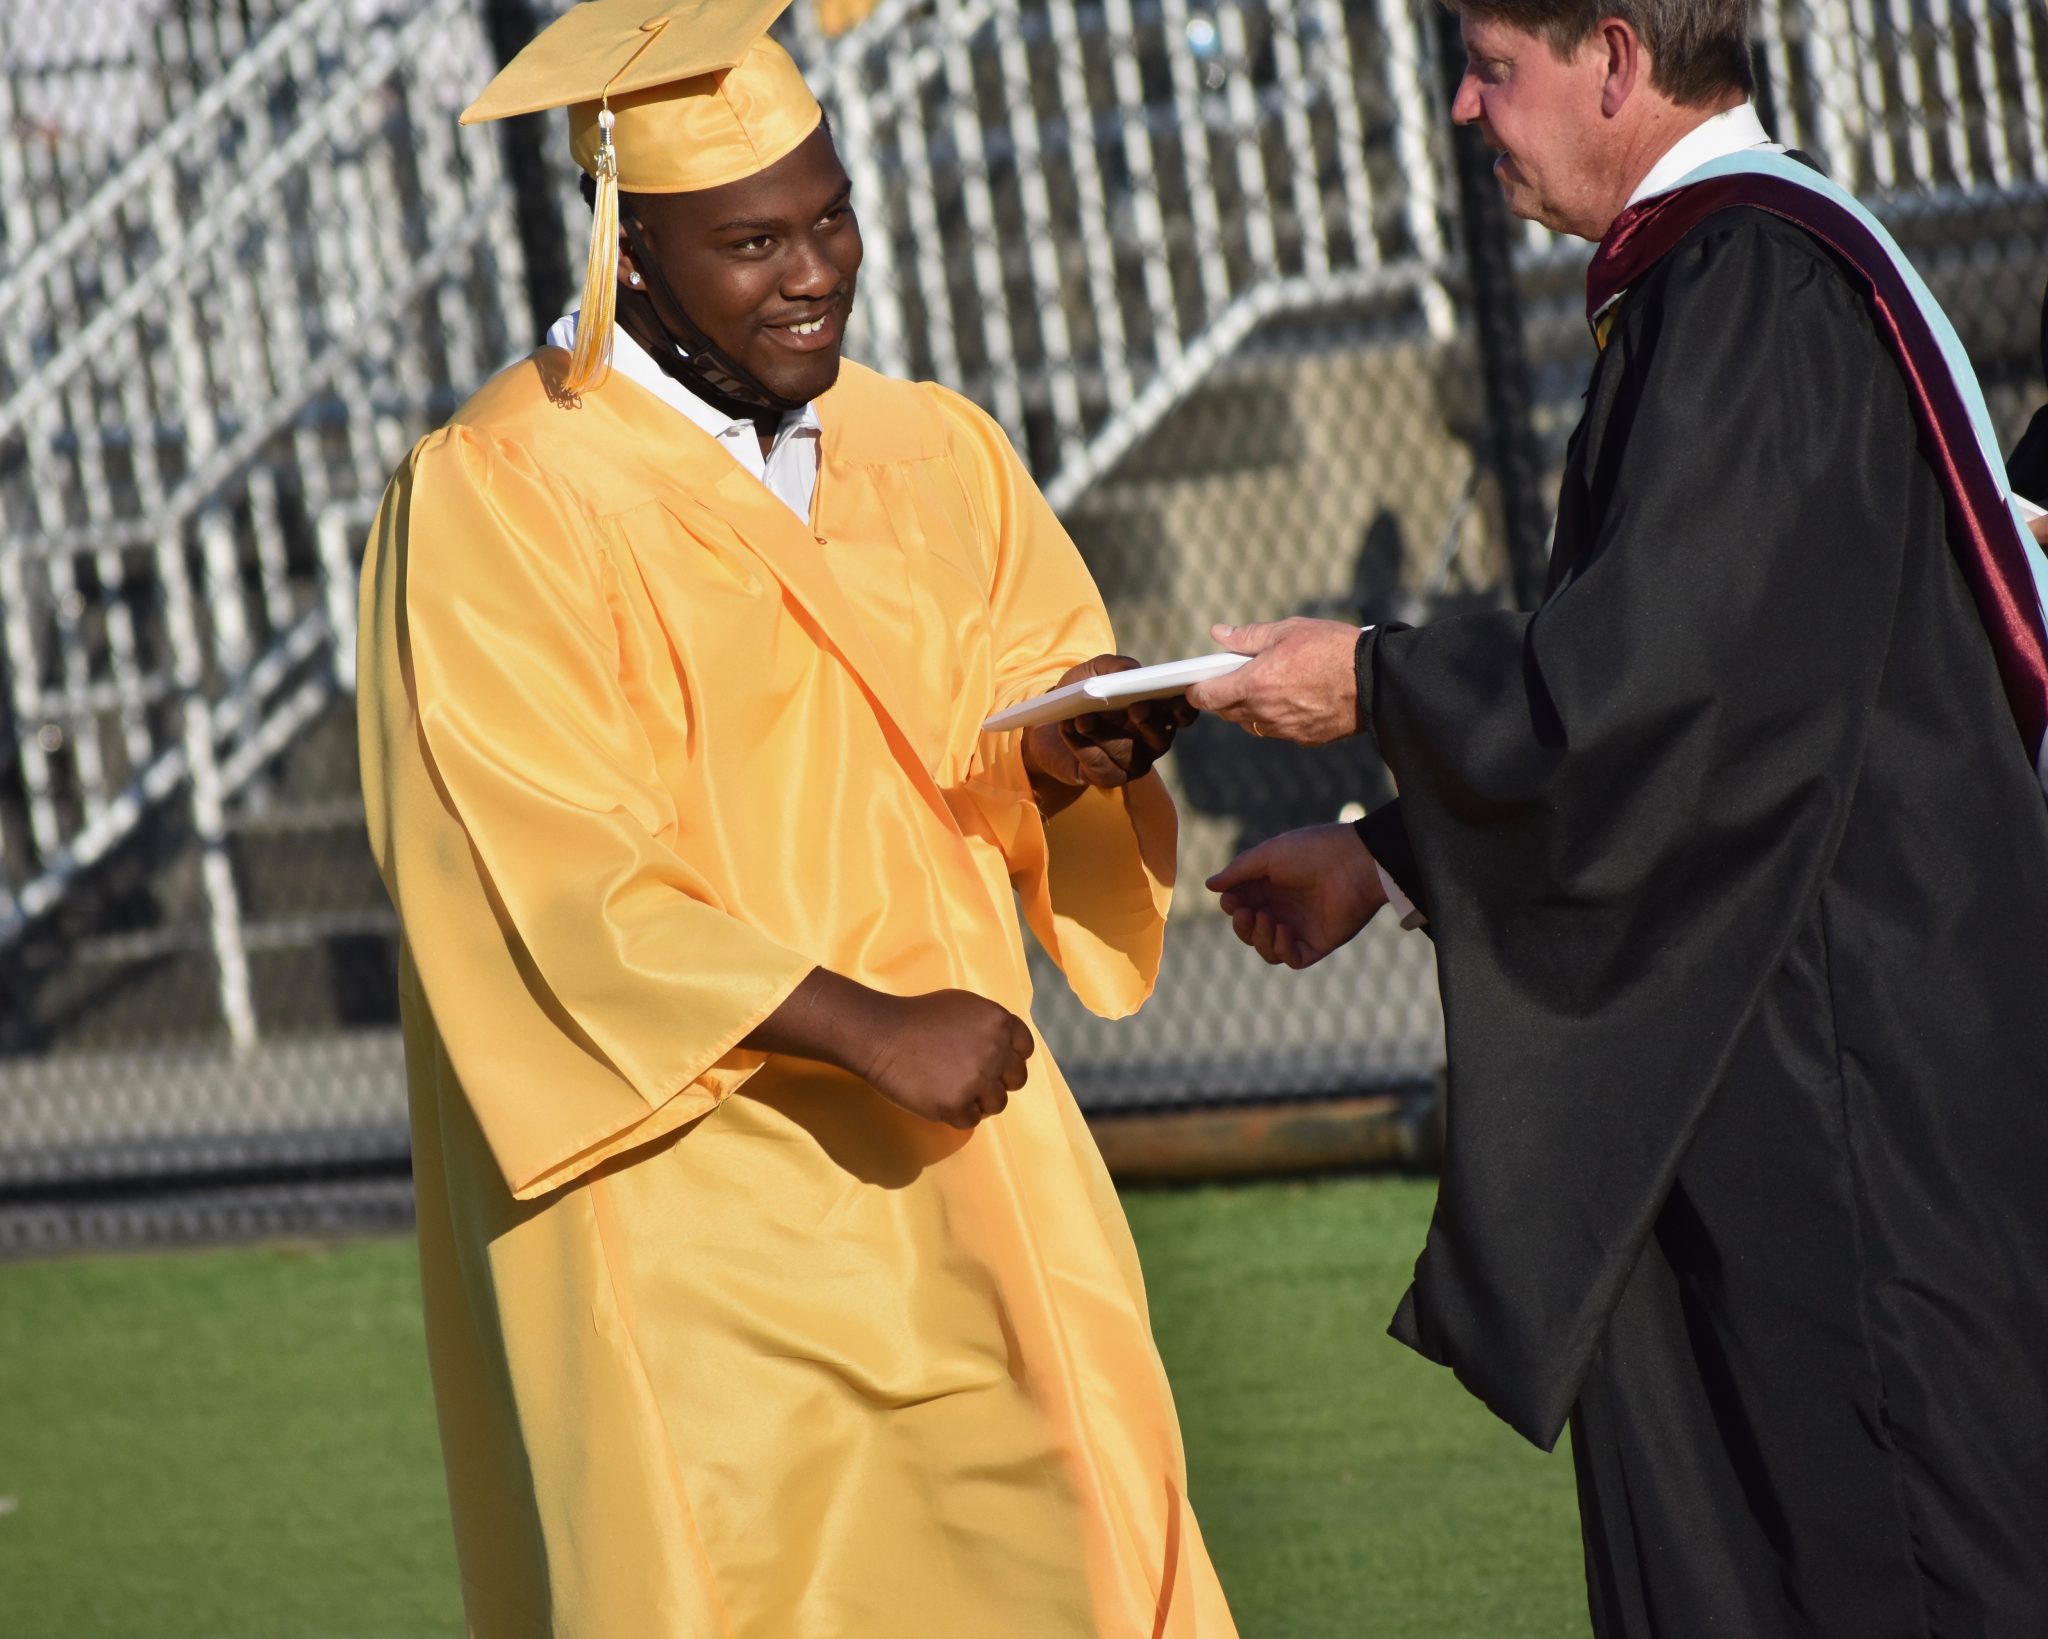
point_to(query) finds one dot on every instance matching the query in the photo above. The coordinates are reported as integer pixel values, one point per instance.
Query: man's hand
(1299, 896)
(1301, 684)
(2039, 528)
(1102, 748)
(948, 1056)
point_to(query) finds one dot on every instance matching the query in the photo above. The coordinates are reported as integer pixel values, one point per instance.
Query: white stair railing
(1062, 201)
(1913, 105)
(1912, 101)
(233, 335)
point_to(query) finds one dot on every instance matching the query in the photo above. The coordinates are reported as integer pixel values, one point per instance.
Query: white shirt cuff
(1403, 906)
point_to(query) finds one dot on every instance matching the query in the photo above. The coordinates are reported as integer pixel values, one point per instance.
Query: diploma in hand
(1116, 689)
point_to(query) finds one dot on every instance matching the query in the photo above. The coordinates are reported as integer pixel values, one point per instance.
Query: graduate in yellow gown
(774, 1287)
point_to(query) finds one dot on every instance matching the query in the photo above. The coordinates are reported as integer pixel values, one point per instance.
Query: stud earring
(633, 279)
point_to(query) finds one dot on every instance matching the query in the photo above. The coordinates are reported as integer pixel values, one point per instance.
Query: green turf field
(239, 1445)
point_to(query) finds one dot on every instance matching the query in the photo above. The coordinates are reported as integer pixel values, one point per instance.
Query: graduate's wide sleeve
(1623, 806)
(1095, 881)
(585, 984)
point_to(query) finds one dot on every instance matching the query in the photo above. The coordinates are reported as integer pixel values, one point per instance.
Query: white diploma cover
(1116, 689)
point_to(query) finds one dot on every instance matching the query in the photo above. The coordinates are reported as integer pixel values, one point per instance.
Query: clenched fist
(948, 1055)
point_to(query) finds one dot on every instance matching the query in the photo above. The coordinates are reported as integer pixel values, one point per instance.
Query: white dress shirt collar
(1728, 132)
(789, 469)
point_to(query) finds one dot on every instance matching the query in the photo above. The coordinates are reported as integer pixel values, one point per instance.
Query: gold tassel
(592, 360)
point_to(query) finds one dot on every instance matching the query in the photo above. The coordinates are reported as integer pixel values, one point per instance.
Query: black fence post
(1503, 358)
(537, 207)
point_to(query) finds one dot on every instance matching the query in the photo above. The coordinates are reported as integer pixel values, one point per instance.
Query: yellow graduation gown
(724, 1343)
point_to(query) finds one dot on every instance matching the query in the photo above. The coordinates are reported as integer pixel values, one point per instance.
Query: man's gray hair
(1699, 49)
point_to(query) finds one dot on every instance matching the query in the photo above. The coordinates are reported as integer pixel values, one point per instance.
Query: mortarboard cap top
(699, 94)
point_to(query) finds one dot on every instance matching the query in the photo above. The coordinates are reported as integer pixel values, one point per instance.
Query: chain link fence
(1247, 305)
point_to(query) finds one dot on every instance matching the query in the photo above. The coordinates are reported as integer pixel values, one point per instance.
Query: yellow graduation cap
(662, 98)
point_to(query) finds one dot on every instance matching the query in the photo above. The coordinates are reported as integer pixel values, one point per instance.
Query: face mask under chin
(694, 359)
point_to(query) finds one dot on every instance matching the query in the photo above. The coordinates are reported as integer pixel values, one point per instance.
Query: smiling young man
(773, 1284)
(1735, 854)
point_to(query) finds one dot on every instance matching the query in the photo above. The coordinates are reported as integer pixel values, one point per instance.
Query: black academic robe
(2026, 469)
(1738, 876)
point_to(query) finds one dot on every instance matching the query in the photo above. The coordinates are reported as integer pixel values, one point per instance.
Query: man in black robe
(1737, 870)
(2027, 467)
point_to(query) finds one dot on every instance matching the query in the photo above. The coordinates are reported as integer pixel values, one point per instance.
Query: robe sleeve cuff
(1365, 660)
(541, 1153)
(1093, 883)
(1100, 906)
(1362, 656)
(1385, 835)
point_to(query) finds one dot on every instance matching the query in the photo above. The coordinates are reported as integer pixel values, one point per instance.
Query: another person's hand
(1301, 684)
(1102, 748)
(2039, 526)
(949, 1055)
(1297, 897)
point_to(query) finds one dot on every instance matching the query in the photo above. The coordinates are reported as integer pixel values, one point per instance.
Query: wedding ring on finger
(1261, 733)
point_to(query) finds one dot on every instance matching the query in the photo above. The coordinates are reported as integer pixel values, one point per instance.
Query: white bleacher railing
(1939, 99)
(1066, 204)
(1913, 105)
(227, 330)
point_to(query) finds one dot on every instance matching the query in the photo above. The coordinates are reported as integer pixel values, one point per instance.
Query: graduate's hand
(948, 1056)
(1100, 748)
(1296, 898)
(1301, 684)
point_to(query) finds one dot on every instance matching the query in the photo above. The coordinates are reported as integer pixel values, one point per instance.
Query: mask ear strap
(592, 360)
(695, 359)
(657, 284)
